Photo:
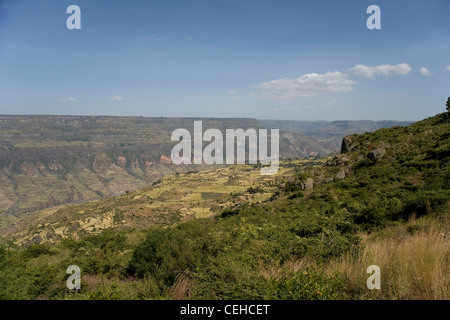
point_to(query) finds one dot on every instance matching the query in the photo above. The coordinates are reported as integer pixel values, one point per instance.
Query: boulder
(308, 184)
(322, 179)
(338, 161)
(376, 154)
(347, 145)
(341, 174)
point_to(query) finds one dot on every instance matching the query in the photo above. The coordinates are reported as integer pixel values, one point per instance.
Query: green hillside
(384, 200)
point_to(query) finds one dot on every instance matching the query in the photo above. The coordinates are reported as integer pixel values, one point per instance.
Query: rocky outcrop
(343, 173)
(323, 179)
(165, 159)
(308, 184)
(338, 161)
(376, 154)
(347, 145)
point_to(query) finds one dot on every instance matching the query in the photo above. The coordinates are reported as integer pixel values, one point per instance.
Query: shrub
(309, 285)
(165, 254)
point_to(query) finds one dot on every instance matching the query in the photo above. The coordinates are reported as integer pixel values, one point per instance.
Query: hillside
(50, 160)
(331, 133)
(174, 198)
(375, 203)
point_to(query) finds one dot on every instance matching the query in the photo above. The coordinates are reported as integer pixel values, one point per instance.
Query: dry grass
(414, 259)
(181, 289)
(91, 281)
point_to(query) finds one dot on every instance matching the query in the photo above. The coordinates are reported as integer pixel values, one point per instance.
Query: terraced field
(174, 198)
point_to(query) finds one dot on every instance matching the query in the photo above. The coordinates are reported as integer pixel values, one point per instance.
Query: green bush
(165, 254)
(309, 285)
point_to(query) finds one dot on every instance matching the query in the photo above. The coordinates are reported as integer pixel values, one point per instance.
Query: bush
(309, 285)
(164, 255)
(35, 250)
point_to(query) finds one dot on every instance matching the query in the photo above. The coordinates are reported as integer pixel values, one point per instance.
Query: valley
(307, 233)
(51, 160)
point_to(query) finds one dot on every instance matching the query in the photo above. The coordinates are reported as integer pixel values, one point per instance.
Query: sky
(264, 59)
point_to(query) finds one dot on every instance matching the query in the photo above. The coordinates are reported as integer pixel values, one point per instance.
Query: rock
(376, 154)
(322, 180)
(338, 161)
(37, 239)
(347, 145)
(121, 160)
(165, 159)
(341, 174)
(308, 184)
(50, 234)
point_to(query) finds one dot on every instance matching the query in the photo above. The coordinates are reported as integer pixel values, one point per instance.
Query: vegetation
(384, 201)
(174, 198)
(414, 258)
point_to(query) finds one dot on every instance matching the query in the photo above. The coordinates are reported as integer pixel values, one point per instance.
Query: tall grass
(414, 259)
(413, 256)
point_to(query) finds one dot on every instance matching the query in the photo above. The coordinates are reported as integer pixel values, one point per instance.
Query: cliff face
(35, 178)
(50, 160)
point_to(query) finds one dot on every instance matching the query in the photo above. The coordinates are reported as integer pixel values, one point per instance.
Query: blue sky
(295, 60)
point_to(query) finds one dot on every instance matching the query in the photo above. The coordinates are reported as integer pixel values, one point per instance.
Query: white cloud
(384, 69)
(116, 98)
(233, 94)
(293, 108)
(447, 68)
(307, 85)
(424, 71)
(68, 99)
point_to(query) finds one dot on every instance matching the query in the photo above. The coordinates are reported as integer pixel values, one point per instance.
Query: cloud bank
(424, 71)
(307, 85)
(313, 84)
(116, 98)
(68, 99)
(387, 70)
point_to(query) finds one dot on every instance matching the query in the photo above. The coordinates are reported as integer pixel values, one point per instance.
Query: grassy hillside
(383, 201)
